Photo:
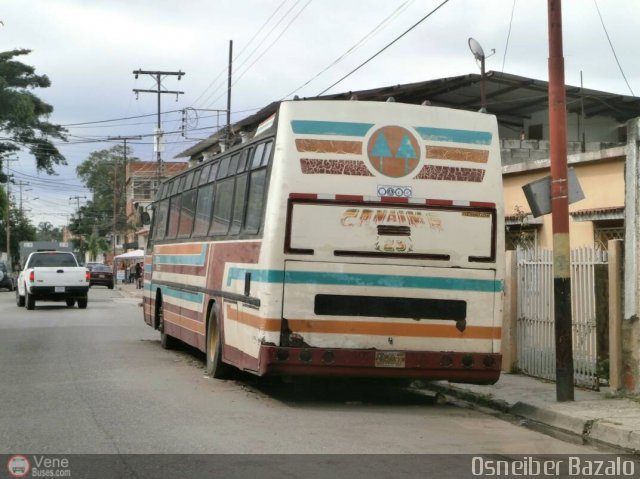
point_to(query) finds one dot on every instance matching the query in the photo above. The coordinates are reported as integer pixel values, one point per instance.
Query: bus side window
(223, 169)
(160, 220)
(203, 210)
(222, 207)
(187, 213)
(267, 153)
(238, 203)
(187, 181)
(196, 177)
(255, 201)
(181, 184)
(214, 171)
(233, 164)
(257, 156)
(246, 154)
(174, 216)
(204, 177)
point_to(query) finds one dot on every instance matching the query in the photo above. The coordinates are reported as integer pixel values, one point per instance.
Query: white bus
(346, 238)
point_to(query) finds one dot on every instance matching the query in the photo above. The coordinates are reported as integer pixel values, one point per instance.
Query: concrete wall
(601, 176)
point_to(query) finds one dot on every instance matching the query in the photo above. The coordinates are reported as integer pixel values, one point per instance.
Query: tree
(95, 246)
(21, 229)
(23, 115)
(100, 172)
(47, 232)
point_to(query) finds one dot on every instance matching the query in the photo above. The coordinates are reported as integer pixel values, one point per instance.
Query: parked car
(90, 265)
(101, 274)
(6, 278)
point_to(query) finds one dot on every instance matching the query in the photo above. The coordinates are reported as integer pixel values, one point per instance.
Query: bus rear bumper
(476, 368)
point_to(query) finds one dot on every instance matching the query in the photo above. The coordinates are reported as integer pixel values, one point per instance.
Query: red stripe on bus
(349, 198)
(481, 204)
(439, 202)
(304, 196)
(393, 199)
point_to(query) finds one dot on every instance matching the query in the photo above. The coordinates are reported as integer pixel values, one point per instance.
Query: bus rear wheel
(216, 368)
(166, 341)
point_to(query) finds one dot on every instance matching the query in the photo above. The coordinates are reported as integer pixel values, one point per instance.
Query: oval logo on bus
(393, 151)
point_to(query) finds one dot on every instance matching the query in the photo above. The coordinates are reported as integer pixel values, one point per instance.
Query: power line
(239, 53)
(116, 119)
(383, 49)
(612, 49)
(357, 45)
(266, 49)
(506, 47)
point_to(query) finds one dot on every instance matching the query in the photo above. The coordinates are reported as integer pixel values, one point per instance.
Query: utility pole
(20, 184)
(228, 136)
(157, 76)
(560, 206)
(124, 183)
(8, 215)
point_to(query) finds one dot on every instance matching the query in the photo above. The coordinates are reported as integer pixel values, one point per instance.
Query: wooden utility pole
(228, 136)
(560, 206)
(8, 213)
(124, 184)
(158, 75)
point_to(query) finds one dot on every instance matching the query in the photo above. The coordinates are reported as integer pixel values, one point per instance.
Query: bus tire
(166, 341)
(216, 368)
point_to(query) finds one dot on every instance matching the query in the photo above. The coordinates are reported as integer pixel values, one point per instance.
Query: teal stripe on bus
(352, 279)
(313, 127)
(184, 295)
(180, 259)
(455, 136)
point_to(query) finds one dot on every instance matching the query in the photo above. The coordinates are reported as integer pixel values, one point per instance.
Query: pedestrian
(138, 276)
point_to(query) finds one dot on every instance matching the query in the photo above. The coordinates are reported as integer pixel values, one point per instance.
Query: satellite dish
(476, 49)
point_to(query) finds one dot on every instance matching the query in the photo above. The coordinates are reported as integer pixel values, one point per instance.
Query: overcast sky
(90, 48)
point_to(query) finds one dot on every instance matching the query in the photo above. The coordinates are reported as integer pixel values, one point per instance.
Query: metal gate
(536, 337)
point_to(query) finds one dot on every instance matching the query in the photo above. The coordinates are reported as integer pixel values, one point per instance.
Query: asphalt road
(97, 381)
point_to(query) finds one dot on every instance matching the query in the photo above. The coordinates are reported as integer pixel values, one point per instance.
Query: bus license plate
(59, 289)
(387, 359)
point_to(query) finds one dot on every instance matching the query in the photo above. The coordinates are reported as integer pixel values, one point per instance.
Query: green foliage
(96, 245)
(47, 232)
(100, 172)
(23, 115)
(21, 228)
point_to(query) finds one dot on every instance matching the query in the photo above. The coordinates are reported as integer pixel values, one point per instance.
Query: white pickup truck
(52, 276)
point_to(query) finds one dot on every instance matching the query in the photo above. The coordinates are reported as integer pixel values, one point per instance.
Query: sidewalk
(596, 416)
(129, 290)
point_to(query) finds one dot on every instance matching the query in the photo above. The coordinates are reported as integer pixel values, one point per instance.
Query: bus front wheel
(215, 367)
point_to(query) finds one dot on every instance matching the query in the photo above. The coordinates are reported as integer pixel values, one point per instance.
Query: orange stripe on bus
(457, 154)
(179, 249)
(263, 324)
(330, 146)
(186, 323)
(367, 327)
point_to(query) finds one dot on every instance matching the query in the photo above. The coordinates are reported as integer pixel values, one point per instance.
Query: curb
(597, 430)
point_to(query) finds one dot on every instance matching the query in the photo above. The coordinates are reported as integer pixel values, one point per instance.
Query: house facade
(140, 187)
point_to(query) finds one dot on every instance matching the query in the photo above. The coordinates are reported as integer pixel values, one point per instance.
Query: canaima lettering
(364, 216)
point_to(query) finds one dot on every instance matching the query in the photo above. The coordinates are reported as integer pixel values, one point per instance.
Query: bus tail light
(32, 276)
